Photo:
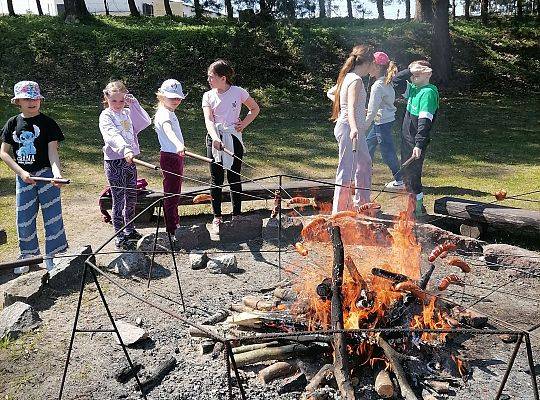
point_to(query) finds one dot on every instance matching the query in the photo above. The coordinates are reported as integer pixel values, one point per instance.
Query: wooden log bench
(264, 190)
(516, 220)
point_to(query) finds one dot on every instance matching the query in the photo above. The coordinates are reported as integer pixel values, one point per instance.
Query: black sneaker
(124, 244)
(133, 236)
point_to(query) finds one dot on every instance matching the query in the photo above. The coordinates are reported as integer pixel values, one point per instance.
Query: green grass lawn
(482, 143)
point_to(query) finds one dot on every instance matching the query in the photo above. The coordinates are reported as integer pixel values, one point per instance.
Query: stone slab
(242, 229)
(191, 237)
(291, 227)
(497, 255)
(129, 333)
(16, 319)
(67, 272)
(25, 288)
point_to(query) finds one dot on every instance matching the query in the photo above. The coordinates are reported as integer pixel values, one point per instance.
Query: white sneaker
(21, 270)
(216, 222)
(395, 185)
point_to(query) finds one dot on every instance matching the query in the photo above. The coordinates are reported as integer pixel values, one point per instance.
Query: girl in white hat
(171, 157)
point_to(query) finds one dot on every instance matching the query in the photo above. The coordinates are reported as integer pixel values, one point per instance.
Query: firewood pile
(355, 319)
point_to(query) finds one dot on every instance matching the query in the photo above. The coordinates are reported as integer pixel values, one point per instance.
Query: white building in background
(116, 7)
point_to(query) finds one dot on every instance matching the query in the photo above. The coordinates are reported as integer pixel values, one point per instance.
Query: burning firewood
(500, 194)
(450, 280)
(301, 249)
(324, 289)
(394, 358)
(341, 365)
(437, 251)
(411, 287)
(386, 274)
(202, 198)
(458, 262)
(302, 201)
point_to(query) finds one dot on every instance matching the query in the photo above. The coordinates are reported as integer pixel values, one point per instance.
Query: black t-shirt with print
(29, 138)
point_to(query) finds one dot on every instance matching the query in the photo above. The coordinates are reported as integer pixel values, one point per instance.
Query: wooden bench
(493, 215)
(263, 190)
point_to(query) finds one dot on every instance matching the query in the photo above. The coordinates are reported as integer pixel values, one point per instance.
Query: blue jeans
(388, 151)
(28, 199)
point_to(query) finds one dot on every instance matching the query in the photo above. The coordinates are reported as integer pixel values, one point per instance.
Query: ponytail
(359, 55)
(391, 71)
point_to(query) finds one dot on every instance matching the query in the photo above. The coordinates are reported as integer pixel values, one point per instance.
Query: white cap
(172, 89)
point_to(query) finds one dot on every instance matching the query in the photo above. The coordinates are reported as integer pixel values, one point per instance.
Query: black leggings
(412, 174)
(217, 173)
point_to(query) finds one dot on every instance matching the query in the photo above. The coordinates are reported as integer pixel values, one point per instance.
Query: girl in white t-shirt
(222, 105)
(171, 156)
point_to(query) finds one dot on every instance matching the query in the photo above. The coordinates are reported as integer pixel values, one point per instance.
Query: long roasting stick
(57, 180)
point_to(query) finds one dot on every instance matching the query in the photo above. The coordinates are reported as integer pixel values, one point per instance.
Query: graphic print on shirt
(27, 152)
(234, 104)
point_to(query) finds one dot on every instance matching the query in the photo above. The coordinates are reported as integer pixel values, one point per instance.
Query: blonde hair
(388, 71)
(111, 88)
(160, 98)
(358, 56)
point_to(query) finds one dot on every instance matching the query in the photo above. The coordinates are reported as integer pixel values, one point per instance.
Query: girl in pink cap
(382, 113)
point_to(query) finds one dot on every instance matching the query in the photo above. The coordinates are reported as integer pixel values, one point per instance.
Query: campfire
(362, 282)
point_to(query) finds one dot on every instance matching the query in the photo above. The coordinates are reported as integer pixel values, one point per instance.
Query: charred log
(341, 365)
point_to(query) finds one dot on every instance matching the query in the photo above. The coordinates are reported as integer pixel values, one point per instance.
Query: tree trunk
(519, 13)
(11, 10)
(106, 5)
(322, 9)
(453, 10)
(424, 11)
(467, 9)
(198, 9)
(440, 43)
(39, 9)
(229, 8)
(75, 10)
(291, 9)
(484, 9)
(167, 5)
(380, 9)
(329, 8)
(407, 10)
(133, 11)
(349, 8)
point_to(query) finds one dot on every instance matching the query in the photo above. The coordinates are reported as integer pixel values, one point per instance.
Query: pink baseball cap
(381, 58)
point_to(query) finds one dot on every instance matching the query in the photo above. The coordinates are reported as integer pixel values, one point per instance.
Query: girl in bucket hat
(32, 138)
(382, 113)
(171, 156)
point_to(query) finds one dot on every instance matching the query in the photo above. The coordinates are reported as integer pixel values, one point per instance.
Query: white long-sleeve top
(168, 130)
(381, 109)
